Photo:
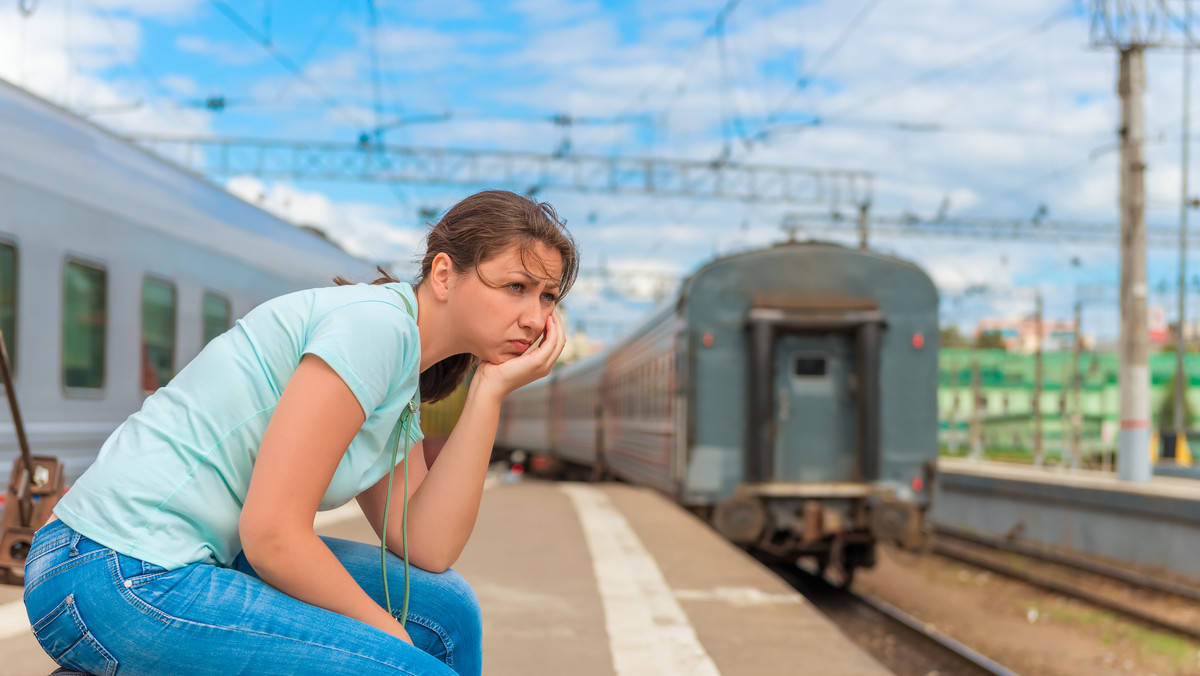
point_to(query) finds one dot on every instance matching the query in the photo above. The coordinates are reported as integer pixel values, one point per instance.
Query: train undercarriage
(835, 525)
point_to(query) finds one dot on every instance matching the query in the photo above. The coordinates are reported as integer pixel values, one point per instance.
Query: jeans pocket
(64, 636)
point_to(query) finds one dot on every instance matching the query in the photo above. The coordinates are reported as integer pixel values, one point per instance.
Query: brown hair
(473, 231)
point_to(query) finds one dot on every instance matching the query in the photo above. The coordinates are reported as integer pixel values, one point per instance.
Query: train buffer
(601, 580)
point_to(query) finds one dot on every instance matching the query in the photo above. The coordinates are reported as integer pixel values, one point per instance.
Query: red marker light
(518, 469)
(918, 484)
(707, 340)
(918, 341)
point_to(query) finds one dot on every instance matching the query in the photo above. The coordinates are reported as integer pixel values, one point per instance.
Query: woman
(188, 546)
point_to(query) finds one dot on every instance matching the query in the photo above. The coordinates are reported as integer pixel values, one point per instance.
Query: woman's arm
(312, 426)
(445, 498)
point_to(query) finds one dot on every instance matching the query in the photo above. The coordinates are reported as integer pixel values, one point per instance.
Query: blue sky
(987, 109)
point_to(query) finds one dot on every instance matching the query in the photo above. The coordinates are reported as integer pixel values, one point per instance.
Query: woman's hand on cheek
(526, 368)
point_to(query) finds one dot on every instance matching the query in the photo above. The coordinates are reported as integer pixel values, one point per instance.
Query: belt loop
(75, 538)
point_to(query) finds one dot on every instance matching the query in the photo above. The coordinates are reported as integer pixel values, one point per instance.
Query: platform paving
(606, 580)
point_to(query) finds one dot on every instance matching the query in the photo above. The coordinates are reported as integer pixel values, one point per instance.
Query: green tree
(990, 340)
(950, 336)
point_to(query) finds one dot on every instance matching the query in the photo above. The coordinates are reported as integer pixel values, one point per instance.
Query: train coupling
(899, 522)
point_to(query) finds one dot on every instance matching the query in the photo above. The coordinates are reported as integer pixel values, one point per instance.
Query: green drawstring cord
(405, 429)
(405, 418)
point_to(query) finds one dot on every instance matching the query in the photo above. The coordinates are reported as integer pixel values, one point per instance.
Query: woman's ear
(440, 273)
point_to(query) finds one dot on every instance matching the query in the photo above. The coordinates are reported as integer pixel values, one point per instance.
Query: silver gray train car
(786, 394)
(116, 267)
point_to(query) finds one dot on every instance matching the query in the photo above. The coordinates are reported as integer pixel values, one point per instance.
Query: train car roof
(49, 149)
(685, 287)
(674, 301)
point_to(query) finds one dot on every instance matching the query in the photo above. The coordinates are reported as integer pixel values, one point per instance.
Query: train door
(815, 412)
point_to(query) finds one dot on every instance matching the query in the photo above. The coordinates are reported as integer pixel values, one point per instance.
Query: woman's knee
(451, 601)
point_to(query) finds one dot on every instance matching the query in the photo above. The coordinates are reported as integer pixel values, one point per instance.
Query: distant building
(1020, 334)
(1001, 385)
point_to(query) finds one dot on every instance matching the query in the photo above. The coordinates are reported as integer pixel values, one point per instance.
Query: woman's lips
(520, 345)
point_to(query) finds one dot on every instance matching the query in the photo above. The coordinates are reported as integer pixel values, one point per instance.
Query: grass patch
(1150, 644)
(1181, 651)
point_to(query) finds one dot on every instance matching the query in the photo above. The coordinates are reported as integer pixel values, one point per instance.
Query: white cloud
(173, 10)
(368, 231)
(60, 56)
(222, 52)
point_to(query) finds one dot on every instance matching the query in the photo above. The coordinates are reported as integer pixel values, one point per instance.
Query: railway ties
(905, 644)
(1154, 602)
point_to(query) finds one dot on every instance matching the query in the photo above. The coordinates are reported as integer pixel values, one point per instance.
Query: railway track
(1157, 603)
(901, 642)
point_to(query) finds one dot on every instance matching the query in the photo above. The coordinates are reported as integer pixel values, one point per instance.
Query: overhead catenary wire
(684, 65)
(312, 47)
(729, 118)
(1063, 12)
(376, 84)
(373, 141)
(282, 59)
(818, 63)
(131, 58)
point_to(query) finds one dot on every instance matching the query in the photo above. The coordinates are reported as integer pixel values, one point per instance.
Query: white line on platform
(739, 596)
(648, 632)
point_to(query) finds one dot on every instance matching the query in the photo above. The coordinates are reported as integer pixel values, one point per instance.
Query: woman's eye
(549, 298)
(517, 286)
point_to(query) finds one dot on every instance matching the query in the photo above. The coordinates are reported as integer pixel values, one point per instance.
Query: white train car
(116, 268)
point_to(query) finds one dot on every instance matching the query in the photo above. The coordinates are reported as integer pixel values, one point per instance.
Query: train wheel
(741, 519)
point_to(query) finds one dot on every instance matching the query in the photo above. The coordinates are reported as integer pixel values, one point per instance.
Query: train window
(85, 318)
(218, 316)
(809, 367)
(158, 333)
(8, 301)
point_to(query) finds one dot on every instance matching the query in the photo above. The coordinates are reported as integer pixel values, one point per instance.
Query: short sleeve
(370, 345)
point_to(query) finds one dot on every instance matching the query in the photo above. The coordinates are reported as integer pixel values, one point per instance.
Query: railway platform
(599, 580)
(1153, 525)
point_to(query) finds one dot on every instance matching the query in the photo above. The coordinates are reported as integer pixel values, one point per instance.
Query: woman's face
(502, 306)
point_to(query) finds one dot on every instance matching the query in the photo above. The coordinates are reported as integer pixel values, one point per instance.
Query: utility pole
(1038, 454)
(1131, 27)
(1184, 204)
(1133, 449)
(976, 427)
(1076, 388)
(862, 223)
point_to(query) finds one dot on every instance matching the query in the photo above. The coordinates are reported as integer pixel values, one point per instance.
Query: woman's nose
(533, 317)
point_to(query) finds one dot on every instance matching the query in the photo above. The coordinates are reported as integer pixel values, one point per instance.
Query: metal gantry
(958, 227)
(532, 172)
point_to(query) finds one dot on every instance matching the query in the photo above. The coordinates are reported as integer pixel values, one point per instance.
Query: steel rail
(795, 576)
(1098, 600)
(957, 647)
(1074, 561)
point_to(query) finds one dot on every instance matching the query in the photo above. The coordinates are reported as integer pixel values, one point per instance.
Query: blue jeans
(102, 612)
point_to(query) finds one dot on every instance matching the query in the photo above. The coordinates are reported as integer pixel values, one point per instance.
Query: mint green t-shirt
(168, 485)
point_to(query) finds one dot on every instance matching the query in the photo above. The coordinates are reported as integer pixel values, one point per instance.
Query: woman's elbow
(434, 561)
(437, 567)
(263, 542)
